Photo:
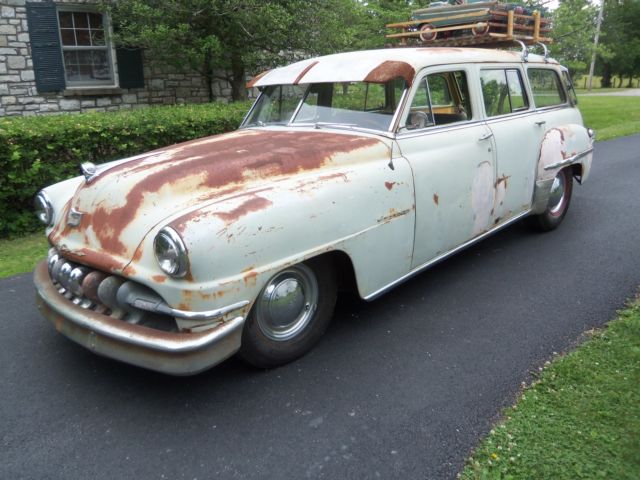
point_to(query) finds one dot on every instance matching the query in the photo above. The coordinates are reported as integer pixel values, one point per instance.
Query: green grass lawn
(611, 117)
(580, 419)
(581, 83)
(21, 254)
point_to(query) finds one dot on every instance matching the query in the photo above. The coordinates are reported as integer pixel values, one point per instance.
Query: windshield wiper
(318, 125)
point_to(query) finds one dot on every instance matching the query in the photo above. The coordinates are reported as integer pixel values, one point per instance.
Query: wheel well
(576, 171)
(343, 267)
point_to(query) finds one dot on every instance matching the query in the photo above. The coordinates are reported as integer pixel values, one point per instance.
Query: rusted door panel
(517, 143)
(454, 175)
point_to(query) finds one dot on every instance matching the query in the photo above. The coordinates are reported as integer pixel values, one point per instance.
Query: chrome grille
(95, 290)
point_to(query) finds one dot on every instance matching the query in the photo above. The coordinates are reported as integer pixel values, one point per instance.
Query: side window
(420, 114)
(503, 92)
(516, 91)
(440, 98)
(568, 83)
(440, 95)
(546, 87)
(495, 92)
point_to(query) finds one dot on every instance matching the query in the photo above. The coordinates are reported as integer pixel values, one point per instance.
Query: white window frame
(108, 47)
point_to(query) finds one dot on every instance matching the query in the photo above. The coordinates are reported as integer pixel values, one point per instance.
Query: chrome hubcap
(556, 197)
(287, 303)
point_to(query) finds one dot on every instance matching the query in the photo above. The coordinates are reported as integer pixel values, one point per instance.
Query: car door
(517, 131)
(449, 149)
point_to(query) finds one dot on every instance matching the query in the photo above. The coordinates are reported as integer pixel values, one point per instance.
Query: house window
(86, 51)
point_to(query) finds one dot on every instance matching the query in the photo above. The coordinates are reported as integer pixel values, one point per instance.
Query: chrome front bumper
(167, 352)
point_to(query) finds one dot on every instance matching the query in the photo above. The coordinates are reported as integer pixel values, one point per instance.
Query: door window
(546, 88)
(503, 92)
(440, 98)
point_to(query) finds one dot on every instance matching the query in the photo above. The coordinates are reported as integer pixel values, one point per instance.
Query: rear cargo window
(546, 87)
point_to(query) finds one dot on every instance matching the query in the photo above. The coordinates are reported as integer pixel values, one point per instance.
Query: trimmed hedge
(38, 151)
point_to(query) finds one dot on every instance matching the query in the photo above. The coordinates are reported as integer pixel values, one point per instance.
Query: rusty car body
(370, 166)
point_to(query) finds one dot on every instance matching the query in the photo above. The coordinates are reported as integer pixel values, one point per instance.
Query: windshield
(352, 104)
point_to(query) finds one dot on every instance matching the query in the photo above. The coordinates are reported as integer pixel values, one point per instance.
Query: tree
(244, 37)
(238, 37)
(204, 35)
(573, 31)
(621, 39)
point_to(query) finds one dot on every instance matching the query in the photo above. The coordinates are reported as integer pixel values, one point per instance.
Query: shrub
(38, 151)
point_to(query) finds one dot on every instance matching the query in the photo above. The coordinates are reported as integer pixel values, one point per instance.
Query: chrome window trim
(253, 106)
(503, 118)
(399, 109)
(438, 129)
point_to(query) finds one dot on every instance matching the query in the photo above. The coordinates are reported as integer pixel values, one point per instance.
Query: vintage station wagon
(353, 170)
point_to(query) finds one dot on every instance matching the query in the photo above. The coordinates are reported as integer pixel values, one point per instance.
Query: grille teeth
(93, 290)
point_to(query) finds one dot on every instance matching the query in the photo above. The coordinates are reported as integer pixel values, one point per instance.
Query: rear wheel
(559, 200)
(290, 315)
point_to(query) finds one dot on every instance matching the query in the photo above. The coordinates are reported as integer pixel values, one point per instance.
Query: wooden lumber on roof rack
(496, 27)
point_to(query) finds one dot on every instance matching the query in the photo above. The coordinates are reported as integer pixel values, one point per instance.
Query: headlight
(171, 253)
(44, 209)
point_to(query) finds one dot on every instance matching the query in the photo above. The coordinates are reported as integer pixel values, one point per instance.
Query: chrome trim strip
(186, 314)
(253, 106)
(569, 160)
(442, 257)
(437, 129)
(393, 127)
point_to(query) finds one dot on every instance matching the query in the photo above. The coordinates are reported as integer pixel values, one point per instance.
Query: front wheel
(559, 200)
(290, 314)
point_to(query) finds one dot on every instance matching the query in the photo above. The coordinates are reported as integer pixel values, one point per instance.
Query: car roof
(382, 65)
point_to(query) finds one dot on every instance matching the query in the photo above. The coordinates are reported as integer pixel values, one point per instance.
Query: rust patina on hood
(126, 200)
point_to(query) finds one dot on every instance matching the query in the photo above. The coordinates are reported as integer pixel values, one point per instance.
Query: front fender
(236, 245)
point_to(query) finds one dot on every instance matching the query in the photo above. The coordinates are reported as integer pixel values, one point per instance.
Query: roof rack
(484, 24)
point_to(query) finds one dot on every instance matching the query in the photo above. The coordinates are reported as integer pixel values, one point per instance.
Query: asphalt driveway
(399, 388)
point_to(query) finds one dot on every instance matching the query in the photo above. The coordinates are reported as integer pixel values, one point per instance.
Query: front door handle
(486, 136)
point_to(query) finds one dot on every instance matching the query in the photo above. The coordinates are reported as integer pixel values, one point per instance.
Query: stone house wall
(19, 95)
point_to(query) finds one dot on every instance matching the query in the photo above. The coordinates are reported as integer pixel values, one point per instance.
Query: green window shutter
(130, 67)
(42, 19)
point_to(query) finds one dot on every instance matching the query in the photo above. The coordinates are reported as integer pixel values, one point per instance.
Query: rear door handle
(540, 123)
(486, 136)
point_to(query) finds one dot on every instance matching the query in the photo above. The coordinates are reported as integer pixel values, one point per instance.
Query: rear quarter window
(546, 87)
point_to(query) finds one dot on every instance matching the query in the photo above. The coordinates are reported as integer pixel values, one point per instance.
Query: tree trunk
(238, 89)
(207, 73)
(630, 84)
(606, 75)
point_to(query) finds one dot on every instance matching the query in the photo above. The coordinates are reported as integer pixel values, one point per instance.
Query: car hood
(116, 209)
